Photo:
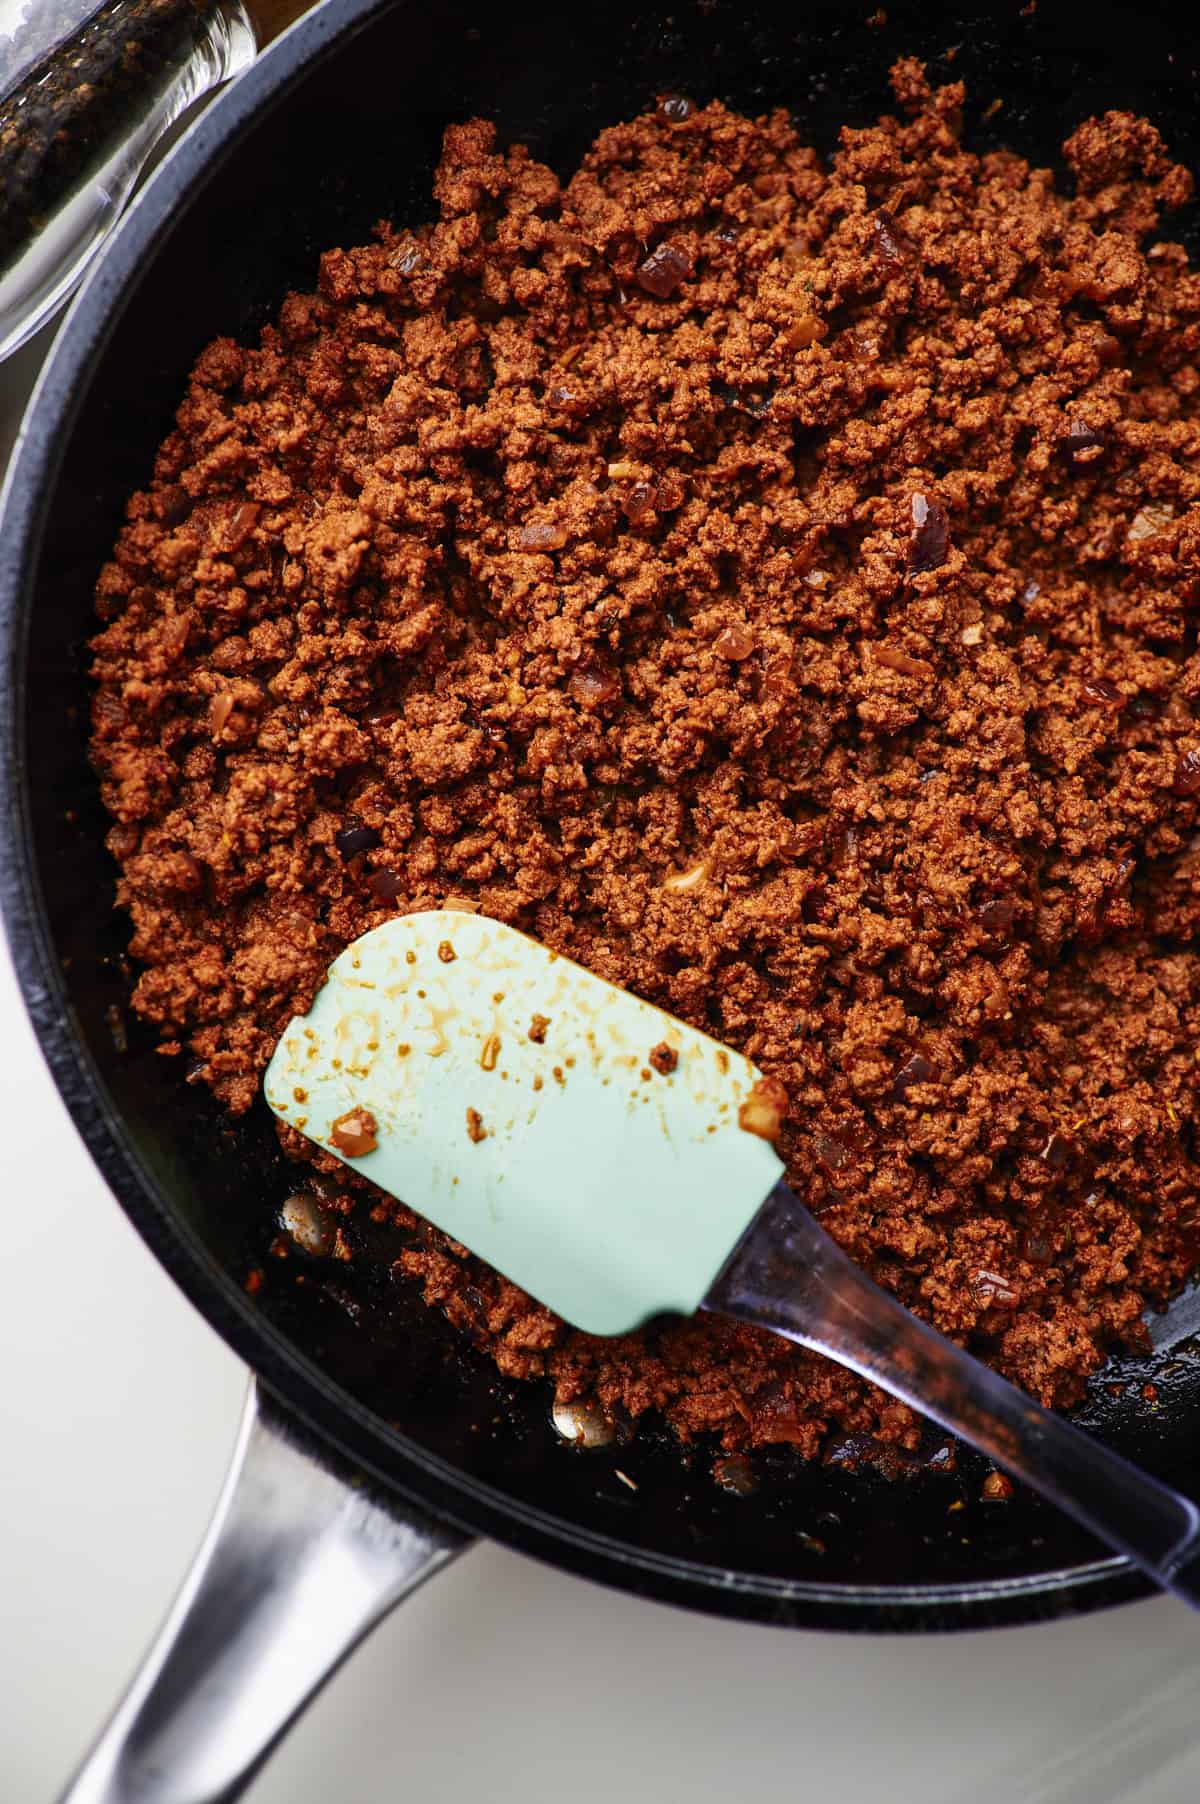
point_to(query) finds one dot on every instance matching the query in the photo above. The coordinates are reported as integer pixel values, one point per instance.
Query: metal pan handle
(299, 1564)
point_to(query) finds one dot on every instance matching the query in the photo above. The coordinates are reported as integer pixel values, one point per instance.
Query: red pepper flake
(1082, 444)
(996, 917)
(1187, 774)
(916, 1069)
(446, 952)
(664, 270)
(1056, 1154)
(537, 1029)
(475, 1128)
(735, 643)
(929, 540)
(998, 1487)
(664, 1058)
(592, 686)
(992, 1291)
(241, 524)
(894, 246)
(354, 1133)
(640, 502)
(670, 492)
(1103, 693)
(543, 537)
(385, 886)
(662, 496)
(832, 1152)
(350, 841)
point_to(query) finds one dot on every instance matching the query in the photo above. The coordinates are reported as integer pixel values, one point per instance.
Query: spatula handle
(786, 1274)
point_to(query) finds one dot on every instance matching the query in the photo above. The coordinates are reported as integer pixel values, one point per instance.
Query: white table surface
(503, 1679)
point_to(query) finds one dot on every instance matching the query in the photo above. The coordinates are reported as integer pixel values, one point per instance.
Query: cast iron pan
(338, 125)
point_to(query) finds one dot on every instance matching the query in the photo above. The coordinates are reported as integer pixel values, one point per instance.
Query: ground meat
(773, 585)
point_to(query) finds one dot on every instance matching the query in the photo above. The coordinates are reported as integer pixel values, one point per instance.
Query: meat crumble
(774, 584)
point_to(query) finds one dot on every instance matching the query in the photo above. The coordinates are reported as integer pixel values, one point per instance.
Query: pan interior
(357, 141)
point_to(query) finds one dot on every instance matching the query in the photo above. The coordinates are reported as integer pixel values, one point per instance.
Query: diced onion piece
(302, 1217)
(1150, 520)
(681, 883)
(582, 1425)
(763, 1110)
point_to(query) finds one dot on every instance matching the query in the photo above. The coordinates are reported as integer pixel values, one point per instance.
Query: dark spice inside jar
(67, 113)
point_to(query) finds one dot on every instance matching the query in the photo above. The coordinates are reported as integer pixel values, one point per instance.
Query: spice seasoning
(69, 111)
(697, 694)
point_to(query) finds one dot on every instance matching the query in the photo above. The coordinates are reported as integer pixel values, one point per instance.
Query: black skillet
(337, 125)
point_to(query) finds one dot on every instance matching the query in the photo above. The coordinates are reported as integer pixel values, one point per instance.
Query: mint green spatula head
(598, 1152)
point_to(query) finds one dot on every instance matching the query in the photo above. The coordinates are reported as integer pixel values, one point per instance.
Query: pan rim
(402, 1465)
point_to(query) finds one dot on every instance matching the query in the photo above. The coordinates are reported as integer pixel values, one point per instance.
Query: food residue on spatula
(610, 1196)
(354, 1134)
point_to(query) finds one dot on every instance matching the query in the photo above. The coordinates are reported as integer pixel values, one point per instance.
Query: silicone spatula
(616, 1163)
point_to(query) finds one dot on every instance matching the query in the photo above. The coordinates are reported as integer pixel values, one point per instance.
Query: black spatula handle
(786, 1274)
